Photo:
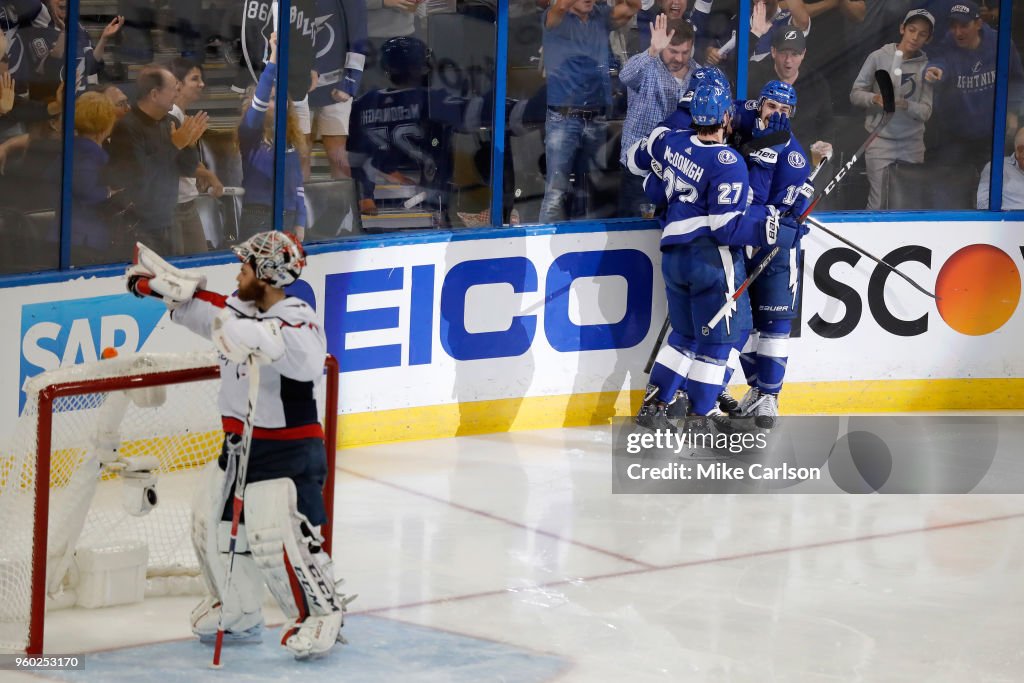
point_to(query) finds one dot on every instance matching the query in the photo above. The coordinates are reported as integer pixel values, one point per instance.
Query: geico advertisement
(862, 321)
(411, 325)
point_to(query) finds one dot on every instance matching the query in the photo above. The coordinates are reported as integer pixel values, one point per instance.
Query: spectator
(640, 39)
(31, 165)
(1013, 178)
(256, 143)
(188, 236)
(576, 57)
(789, 48)
(965, 68)
(117, 98)
(903, 138)
(657, 80)
(766, 18)
(91, 237)
(89, 58)
(149, 152)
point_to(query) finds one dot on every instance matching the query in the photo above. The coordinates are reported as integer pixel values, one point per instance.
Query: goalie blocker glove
(150, 275)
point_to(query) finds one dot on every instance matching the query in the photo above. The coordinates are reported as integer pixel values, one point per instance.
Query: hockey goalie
(256, 515)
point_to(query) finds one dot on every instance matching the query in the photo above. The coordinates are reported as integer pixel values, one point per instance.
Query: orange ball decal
(978, 289)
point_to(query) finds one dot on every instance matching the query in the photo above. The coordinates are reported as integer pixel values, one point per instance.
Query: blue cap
(965, 11)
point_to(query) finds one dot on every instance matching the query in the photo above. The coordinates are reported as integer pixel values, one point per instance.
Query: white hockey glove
(239, 338)
(172, 285)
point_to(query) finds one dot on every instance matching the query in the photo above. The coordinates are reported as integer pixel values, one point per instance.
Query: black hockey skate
(652, 414)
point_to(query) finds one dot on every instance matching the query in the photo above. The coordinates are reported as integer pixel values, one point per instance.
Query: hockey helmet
(711, 103)
(778, 91)
(705, 74)
(276, 257)
(405, 56)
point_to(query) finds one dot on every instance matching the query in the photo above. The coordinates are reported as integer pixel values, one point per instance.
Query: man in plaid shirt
(656, 80)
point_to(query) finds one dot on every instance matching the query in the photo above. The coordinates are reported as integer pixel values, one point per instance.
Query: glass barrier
(418, 145)
(584, 84)
(174, 138)
(942, 57)
(1012, 194)
(32, 44)
(391, 110)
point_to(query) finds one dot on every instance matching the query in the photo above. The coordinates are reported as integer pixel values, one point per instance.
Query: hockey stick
(657, 346)
(885, 89)
(759, 268)
(242, 467)
(871, 256)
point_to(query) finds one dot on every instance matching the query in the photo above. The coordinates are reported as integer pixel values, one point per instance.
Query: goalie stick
(241, 468)
(884, 82)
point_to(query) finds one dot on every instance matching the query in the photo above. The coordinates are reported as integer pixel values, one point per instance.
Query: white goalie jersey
(286, 406)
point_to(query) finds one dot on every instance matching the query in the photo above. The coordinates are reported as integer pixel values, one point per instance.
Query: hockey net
(60, 489)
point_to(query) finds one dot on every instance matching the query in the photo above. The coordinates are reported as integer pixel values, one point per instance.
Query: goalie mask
(277, 258)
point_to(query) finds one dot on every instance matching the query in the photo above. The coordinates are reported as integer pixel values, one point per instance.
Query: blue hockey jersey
(407, 131)
(340, 43)
(778, 173)
(706, 186)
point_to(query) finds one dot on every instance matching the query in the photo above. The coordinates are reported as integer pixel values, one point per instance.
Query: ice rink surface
(506, 558)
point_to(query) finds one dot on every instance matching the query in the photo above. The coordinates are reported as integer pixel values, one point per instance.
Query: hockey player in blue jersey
(704, 227)
(404, 134)
(680, 119)
(778, 179)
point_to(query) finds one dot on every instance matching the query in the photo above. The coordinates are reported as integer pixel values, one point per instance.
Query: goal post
(59, 485)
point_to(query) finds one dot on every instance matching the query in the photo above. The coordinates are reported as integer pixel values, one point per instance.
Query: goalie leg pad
(299, 573)
(241, 601)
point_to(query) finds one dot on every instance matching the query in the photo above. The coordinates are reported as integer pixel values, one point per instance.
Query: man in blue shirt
(656, 81)
(964, 65)
(576, 60)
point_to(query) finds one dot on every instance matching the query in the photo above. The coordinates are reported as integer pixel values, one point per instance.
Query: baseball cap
(789, 38)
(923, 13)
(964, 11)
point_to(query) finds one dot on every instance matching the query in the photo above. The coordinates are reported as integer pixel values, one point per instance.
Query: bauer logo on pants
(59, 333)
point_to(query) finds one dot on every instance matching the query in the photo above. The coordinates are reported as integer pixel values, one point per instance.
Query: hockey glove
(777, 123)
(150, 275)
(784, 231)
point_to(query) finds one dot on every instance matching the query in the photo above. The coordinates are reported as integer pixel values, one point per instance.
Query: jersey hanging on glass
(407, 133)
(340, 48)
(259, 20)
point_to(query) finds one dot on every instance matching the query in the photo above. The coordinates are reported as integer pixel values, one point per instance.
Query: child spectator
(903, 138)
(256, 142)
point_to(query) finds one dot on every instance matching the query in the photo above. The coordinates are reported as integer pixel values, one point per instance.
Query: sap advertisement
(548, 315)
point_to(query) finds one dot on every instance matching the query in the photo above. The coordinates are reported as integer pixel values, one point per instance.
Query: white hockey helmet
(277, 257)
